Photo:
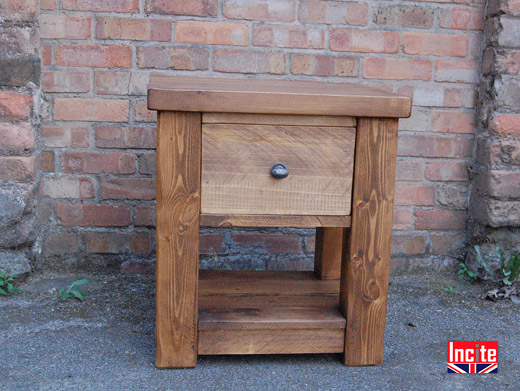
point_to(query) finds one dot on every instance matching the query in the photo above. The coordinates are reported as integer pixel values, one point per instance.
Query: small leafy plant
(451, 289)
(510, 270)
(72, 291)
(464, 272)
(6, 284)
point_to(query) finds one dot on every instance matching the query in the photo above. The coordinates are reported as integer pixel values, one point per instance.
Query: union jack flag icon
(472, 368)
(472, 357)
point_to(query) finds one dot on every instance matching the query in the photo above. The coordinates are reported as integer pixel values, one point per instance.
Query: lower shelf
(266, 312)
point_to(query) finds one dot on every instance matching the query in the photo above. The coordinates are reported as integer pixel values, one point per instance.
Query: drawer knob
(279, 171)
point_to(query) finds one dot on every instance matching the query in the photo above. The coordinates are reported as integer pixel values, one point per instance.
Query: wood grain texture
(366, 260)
(237, 159)
(273, 97)
(268, 312)
(266, 317)
(327, 253)
(178, 208)
(273, 119)
(283, 341)
(227, 289)
(209, 220)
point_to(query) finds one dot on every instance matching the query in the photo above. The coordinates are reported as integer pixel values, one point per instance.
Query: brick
(48, 5)
(323, 65)
(127, 188)
(440, 219)
(506, 125)
(310, 244)
(270, 10)
(144, 216)
(107, 242)
(65, 187)
(91, 55)
(302, 37)
(46, 54)
(133, 29)
(94, 215)
(65, 81)
(99, 162)
(508, 94)
(426, 146)
(414, 195)
(397, 69)
(16, 138)
(142, 114)
(112, 82)
(364, 41)
(460, 97)
(453, 122)
(403, 219)
(19, 10)
(404, 16)
(58, 26)
(419, 121)
(509, 33)
(18, 168)
(64, 136)
(504, 184)
(240, 61)
(461, 18)
(411, 244)
(15, 105)
(92, 109)
(57, 243)
(446, 171)
(148, 163)
(273, 243)
(182, 7)
(212, 33)
(505, 152)
(126, 137)
(453, 196)
(101, 5)
(20, 70)
(159, 57)
(508, 62)
(457, 71)
(333, 12)
(409, 170)
(141, 243)
(47, 161)
(448, 243)
(18, 40)
(210, 244)
(435, 44)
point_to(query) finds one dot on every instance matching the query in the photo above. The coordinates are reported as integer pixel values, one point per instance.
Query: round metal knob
(279, 171)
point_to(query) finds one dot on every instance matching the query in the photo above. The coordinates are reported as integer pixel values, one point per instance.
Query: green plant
(484, 261)
(6, 284)
(451, 289)
(465, 272)
(511, 269)
(71, 290)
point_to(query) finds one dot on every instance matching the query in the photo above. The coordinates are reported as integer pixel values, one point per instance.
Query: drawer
(239, 150)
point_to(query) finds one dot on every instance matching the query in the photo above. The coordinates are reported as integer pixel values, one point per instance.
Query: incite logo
(472, 356)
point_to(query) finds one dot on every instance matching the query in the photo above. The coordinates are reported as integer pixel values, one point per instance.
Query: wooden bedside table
(273, 153)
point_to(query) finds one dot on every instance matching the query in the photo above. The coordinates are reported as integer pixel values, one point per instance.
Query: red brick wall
(98, 138)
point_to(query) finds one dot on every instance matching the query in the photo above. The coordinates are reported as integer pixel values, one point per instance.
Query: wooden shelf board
(267, 312)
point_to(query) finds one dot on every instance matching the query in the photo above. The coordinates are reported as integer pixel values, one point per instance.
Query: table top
(273, 96)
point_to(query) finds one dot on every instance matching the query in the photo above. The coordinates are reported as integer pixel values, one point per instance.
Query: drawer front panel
(237, 159)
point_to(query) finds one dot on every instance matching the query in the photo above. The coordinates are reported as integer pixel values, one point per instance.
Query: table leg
(327, 253)
(366, 259)
(178, 210)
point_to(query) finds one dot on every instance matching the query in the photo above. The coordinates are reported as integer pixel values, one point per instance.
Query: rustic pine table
(273, 153)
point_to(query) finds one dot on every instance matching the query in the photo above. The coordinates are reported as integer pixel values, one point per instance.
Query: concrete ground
(107, 343)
